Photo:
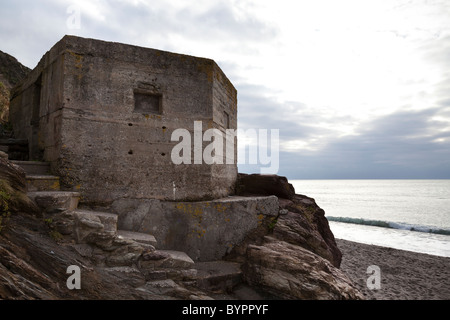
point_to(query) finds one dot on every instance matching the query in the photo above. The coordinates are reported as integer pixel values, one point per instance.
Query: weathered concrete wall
(205, 230)
(36, 104)
(107, 112)
(225, 117)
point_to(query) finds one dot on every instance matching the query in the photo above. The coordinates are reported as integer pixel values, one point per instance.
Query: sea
(412, 215)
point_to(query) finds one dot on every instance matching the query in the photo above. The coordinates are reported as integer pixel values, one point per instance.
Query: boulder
(291, 272)
(265, 185)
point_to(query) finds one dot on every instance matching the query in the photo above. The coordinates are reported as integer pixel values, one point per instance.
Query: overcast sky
(358, 89)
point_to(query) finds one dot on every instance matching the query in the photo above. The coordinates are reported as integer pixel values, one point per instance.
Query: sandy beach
(405, 275)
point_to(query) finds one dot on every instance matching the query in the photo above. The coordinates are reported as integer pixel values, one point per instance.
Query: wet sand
(404, 275)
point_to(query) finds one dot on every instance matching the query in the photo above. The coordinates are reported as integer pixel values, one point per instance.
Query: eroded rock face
(34, 266)
(295, 255)
(301, 221)
(14, 187)
(11, 70)
(292, 272)
(18, 279)
(304, 224)
(13, 174)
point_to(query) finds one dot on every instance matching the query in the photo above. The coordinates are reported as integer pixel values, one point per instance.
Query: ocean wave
(392, 225)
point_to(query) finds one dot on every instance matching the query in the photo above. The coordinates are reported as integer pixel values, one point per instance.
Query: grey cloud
(442, 89)
(257, 111)
(29, 28)
(216, 24)
(220, 20)
(437, 52)
(401, 124)
(391, 147)
(444, 102)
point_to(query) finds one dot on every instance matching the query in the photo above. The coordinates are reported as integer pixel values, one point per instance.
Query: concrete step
(34, 167)
(218, 276)
(55, 201)
(42, 183)
(138, 237)
(108, 220)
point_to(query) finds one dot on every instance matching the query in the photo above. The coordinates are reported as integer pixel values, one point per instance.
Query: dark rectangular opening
(35, 150)
(147, 103)
(226, 120)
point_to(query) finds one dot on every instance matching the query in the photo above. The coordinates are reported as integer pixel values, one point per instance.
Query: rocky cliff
(296, 257)
(291, 257)
(11, 72)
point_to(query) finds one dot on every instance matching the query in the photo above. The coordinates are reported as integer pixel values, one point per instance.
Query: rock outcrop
(266, 185)
(301, 221)
(11, 72)
(292, 272)
(37, 249)
(34, 266)
(304, 224)
(291, 255)
(294, 256)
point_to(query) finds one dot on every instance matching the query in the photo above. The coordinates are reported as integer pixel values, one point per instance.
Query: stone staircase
(95, 235)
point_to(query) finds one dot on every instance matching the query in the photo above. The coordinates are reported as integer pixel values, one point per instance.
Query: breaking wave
(392, 225)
